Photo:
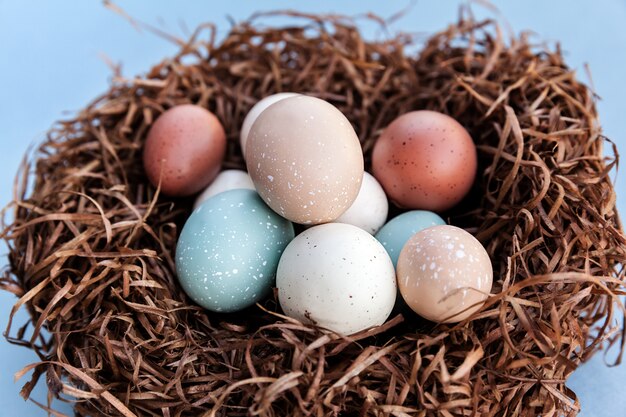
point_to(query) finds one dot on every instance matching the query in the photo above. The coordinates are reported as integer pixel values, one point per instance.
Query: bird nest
(91, 242)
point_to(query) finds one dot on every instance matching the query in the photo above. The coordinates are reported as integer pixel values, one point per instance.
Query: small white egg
(369, 210)
(230, 179)
(255, 111)
(338, 277)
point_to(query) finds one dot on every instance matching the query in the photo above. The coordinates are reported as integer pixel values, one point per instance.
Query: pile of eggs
(305, 165)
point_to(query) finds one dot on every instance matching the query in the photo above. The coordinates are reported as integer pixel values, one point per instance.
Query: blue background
(52, 63)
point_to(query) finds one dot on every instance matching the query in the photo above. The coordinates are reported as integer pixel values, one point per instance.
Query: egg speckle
(336, 276)
(444, 274)
(305, 159)
(228, 251)
(425, 160)
(184, 150)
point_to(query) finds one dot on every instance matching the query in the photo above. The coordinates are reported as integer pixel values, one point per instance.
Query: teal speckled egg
(228, 251)
(397, 231)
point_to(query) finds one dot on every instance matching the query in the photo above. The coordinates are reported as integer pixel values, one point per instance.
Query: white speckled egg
(229, 179)
(228, 251)
(254, 112)
(305, 160)
(444, 274)
(336, 276)
(369, 210)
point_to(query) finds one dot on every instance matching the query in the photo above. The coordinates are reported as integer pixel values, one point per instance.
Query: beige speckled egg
(444, 274)
(305, 160)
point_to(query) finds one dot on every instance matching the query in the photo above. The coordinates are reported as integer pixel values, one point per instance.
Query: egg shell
(229, 179)
(397, 231)
(425, 160)
(305, 160)
(369, 210)
(254, 112)
(337, 276)
(184, 150)
(228, 251)
(444, 274)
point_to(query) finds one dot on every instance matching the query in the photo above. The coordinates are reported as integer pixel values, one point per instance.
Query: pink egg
(184, 150)
(425, 160)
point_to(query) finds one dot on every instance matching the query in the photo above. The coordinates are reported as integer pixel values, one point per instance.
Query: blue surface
(227, 263)
(51, 61)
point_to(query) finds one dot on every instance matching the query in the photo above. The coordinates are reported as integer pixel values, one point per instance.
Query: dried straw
(91, 242)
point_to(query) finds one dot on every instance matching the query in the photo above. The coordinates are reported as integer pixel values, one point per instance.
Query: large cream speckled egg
(305, 159)
(444, 274)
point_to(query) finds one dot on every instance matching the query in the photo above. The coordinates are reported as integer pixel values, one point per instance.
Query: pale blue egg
(397, 231)
(228, 251)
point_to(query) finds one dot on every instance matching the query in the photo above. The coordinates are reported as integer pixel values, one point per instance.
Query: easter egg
(399, 230)
(425, 160)
(229, 179)
(305, 159)
(369, 210)
(228, 251)
(184, 150)
(444, 274)
(254, 112)
(338, 277)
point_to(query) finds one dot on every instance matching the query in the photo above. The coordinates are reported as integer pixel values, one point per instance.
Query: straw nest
(91, 241)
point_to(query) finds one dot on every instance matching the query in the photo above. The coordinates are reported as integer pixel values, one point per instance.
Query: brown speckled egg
(184, 149)
(305, 160)
(444, 274)
(425, 160)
